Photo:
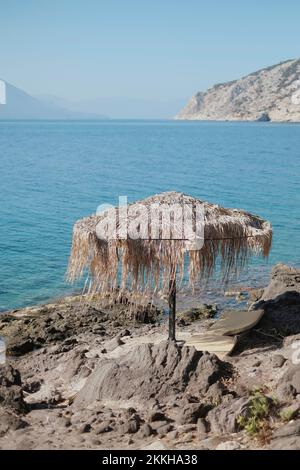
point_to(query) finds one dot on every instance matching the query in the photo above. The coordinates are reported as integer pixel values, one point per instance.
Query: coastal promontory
(270, 94)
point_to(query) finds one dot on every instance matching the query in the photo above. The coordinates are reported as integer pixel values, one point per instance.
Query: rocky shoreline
(270, 94)
(88, 375)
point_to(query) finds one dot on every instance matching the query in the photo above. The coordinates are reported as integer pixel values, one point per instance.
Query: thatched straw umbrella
(147, 251)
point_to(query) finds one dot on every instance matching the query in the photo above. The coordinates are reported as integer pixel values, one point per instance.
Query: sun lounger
(221, 338)
(233, 322)
(213, 343)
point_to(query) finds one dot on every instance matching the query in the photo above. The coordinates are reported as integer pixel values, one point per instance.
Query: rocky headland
(270, 94)
(84, 374)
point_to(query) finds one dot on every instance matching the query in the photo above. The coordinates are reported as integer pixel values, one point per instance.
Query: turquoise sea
(53, 173)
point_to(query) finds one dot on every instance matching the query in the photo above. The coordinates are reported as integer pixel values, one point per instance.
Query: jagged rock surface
(271, 94)
(283, 279)
(11, 392)
(281, 301)
(12, 404)
(161, 370)
(94, 383)
(287, 437)
(65, 321)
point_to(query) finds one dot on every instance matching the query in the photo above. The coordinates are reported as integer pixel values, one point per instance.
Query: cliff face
(271, 94)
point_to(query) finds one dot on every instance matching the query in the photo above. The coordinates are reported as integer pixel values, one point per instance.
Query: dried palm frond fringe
(145, 266)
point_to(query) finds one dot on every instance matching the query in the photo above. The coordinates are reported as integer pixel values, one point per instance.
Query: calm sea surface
(53, 173)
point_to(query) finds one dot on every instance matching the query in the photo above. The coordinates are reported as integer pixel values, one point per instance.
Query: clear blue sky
(162, 49)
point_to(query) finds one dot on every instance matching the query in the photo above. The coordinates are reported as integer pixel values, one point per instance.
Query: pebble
(86, 427)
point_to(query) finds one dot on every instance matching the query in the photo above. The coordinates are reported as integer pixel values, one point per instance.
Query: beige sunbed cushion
(216, 344)
(233, 322)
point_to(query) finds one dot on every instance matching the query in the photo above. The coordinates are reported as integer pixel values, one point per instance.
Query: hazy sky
(154, 49)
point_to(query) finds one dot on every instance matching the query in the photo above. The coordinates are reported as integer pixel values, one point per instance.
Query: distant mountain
(21, 105)
(120, 107)
(271, 94)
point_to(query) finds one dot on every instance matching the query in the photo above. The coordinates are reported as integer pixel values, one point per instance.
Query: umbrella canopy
(146, 261)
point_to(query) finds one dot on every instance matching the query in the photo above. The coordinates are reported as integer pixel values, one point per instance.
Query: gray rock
(286, 443)
(84, 372)
(290, 412)
(163, 430)
(223, 419)
(290, 429)
(173, 434)
(202, 426)
(161, 370)
(96, 442)
(157, 416)
(67, 422)
(64, 322)
(124, 333)
(264, 117)
(285, 392)
(11, 392)
(130, 427)
(295, 380)
(277, 361)
(283, 279)
(186, 428)
(210, 443)
(228, 445)
(257, 364)
(156, 445)
(145, 430)
(281, 301)
(215, 393)
(158, 424)
(196, 313)
(287, 437)
(191, 413)
(114, 343)
(130, 412)
(255, 295)
(84, 428)
(10, 421)
(289, 384)
(103, 427)
(281, 314)
(290, 340)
